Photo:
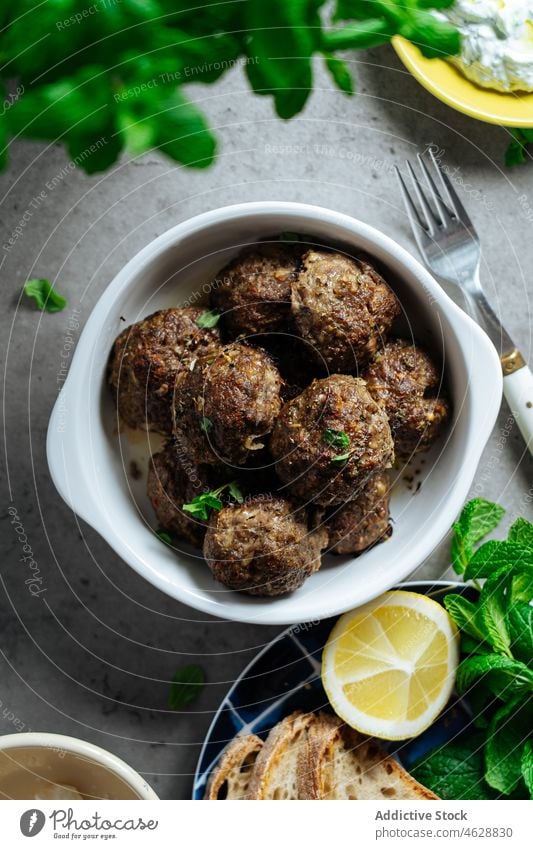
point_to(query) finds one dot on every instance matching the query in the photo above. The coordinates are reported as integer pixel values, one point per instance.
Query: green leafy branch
(496, 672)
(102, 83)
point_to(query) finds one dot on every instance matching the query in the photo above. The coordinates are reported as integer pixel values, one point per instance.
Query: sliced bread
(275, 774)
(337, 762)
(231, 777)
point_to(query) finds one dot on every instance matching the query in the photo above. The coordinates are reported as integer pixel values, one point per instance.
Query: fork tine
(421, 198)
(438, 200)
(455, 201)
(412, 212)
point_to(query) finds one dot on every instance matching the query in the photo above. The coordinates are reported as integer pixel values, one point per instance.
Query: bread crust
(315, 779)
(278, 741)
(321, 737)
(233, 757)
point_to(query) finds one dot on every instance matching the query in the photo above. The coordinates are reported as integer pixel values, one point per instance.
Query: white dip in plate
(497, 42)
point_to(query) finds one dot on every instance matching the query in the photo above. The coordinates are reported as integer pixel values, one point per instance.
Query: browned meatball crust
(343, 307)
(226, 405)
(263, 547)
(307, 440)
(360, 523)
(253, 292)
(174, 480)
(145, 360)
(406, 381)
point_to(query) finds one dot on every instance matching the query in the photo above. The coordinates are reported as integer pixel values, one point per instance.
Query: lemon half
(389, 667)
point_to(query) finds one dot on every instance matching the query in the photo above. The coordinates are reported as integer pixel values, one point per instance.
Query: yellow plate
(441, 78)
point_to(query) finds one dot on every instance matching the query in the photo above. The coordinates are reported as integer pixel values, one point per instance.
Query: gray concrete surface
(95, 664)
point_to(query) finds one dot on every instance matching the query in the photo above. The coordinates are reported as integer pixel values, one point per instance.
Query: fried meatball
(254, 291)
(328, 440)
(263, 547)
(360, 523)
(343, 307)
(174, 480)
(145, 360)
(227, 404)
(405, 380)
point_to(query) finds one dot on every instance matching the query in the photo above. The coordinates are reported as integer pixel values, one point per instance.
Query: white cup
(51, 766)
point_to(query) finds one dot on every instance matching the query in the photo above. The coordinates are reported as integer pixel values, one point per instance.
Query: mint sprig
(129, 94)
(478, 518)
(496, 670)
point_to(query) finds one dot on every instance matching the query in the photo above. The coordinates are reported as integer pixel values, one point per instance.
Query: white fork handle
(518, 391)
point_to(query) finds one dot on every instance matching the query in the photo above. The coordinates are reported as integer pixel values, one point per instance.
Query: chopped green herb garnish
(44, 295)
(235, 492)
(336, 438)
(164, 536)
(341, 458)
(205, 424)
(208, 319)
(201, 506)
(187, 684)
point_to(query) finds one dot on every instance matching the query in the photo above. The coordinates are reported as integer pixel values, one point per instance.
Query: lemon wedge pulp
(389, 667)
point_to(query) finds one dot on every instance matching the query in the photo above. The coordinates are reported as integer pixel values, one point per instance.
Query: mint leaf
(202, 505)
(336, 438)
(495, 556)
(522, 588)
(340, 73)
(359, 36)
(492, 607)
(281, 38)
(341, 458)
(433, 37)
(235, 492)
(469, 645)
(526, 766)
(94, 157)
(208, 319)
(187, 684)
(521, 532)
(517, 152)
(465, 615)
(455, 770)
(493, 673)
(44, 295)
(477, 519)
(508, 729)
(520, 619)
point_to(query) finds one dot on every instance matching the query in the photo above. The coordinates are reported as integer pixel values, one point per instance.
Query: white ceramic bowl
(90, 461)
(33, 762)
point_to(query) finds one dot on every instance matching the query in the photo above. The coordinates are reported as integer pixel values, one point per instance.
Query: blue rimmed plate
(285, 676)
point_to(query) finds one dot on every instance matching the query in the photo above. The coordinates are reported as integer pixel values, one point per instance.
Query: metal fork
(451, 250)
